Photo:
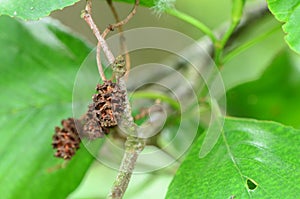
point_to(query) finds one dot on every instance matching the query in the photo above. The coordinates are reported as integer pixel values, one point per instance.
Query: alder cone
(92, 128)
(105, 111)
(66, 140)
(108, 103)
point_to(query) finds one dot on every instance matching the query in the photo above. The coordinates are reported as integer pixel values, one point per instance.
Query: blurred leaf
(288, 11)
(32, 10)
(252, 159)
(38, 65)
(274, 96)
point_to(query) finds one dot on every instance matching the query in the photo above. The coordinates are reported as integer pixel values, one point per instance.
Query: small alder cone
(66, 140)
(119, 66)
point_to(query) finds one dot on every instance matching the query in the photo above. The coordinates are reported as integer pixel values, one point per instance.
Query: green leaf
(274, 96)
(32, 10)
(252, 159)
(288, 11)
(38, 65)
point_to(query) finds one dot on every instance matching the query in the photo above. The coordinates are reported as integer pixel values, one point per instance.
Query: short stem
(124, 21)
(229, 32)
(248, 44)
(237, 11)
(218, 53)
(191, 20)
(221, 44)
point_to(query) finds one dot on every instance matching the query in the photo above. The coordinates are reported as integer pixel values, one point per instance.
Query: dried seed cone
(66, 140)
(92, 128)
(107, 105)
(105, 111)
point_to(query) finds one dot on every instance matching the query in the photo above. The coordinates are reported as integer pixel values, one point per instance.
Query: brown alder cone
(92, 128)
(105, 111)
(108, 103)
(66, 140)
(102, 114)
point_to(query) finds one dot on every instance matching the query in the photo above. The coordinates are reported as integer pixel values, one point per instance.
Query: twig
(123, 22)
(122, 38)
(88, 18)
(133, 145)
(99, 63)
(102, 43)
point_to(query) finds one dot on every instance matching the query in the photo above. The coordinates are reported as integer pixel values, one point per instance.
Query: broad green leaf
(288, 12)
(38, 65)
(252, 159)
(33, 10)
(274, 96)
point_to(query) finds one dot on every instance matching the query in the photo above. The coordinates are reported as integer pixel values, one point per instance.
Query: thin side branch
(111, 27)
(122, 38)
(88, 18)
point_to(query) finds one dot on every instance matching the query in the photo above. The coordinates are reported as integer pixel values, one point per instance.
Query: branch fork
(133, 145)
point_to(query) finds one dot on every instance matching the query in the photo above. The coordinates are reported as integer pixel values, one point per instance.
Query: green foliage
(32, 10)
(252, 159)
(288, 11)
(38, 66)
(274, 96)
